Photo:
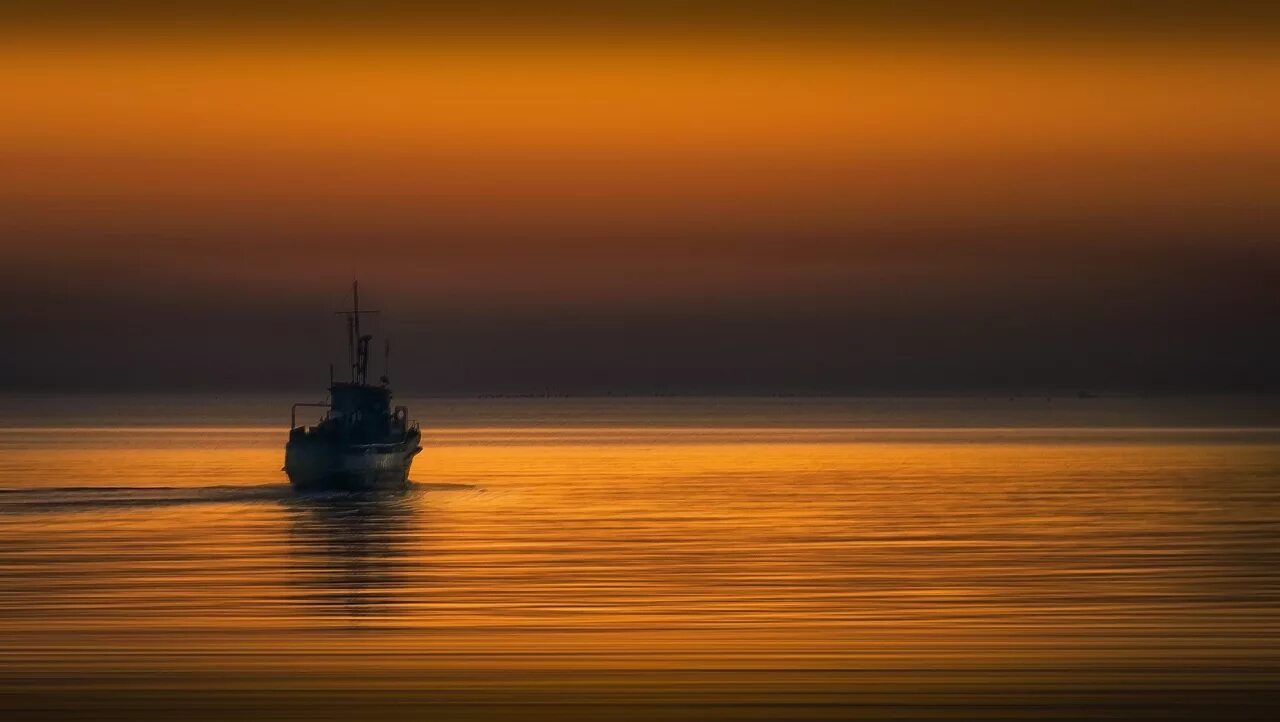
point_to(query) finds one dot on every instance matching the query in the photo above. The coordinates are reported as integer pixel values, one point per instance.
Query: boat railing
(293, 412)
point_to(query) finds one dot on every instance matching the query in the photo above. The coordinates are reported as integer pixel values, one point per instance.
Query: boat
(362, 442)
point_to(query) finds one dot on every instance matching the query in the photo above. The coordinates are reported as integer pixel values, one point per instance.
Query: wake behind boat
(362, 442)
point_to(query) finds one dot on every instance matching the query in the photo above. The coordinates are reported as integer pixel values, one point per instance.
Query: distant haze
(788, 203)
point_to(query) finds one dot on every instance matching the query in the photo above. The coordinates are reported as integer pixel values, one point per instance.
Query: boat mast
(355, 305)
(354, 335)
(351, 346)
(386, 361)
(357, 344)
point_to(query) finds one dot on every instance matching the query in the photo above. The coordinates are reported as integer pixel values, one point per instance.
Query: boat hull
(312, 465)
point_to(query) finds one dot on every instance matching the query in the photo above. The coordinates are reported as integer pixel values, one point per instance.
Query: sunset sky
(681, 200)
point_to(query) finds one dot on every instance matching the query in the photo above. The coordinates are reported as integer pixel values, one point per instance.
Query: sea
(1029, 557)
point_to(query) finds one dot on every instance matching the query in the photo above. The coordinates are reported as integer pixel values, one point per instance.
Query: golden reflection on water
(823, 571)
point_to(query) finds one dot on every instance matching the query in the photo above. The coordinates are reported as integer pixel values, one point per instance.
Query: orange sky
(492, 138)
(715, 132)
(570, 169)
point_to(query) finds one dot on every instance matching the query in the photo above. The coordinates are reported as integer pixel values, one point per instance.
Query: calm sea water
(641, 559)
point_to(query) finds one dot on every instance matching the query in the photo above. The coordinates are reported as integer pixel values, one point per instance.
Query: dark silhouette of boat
(361, 442)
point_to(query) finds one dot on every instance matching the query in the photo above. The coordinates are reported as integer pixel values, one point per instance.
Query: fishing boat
(361, 442)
